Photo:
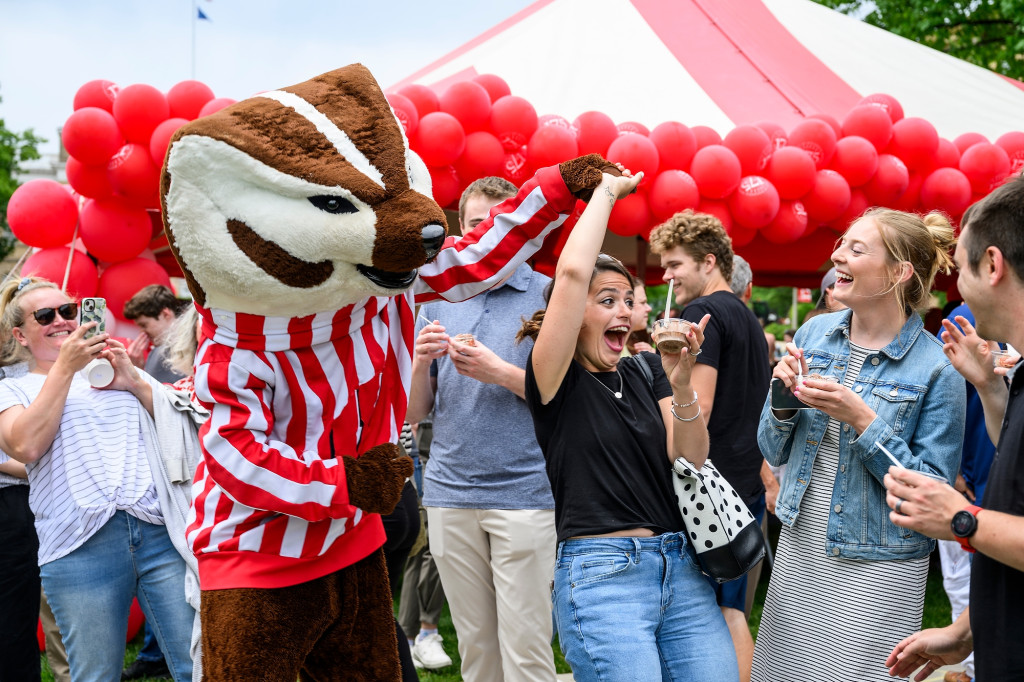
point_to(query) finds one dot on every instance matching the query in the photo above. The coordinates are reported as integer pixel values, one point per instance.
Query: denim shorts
(639, 609)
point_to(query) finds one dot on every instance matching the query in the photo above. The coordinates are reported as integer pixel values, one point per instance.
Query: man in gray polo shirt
(489, 506)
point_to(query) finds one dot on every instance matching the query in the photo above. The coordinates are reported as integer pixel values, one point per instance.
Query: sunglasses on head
(44, 316)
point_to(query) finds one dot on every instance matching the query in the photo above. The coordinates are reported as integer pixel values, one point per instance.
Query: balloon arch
(782, 196)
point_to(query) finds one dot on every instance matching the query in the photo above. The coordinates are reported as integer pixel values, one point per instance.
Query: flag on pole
(201, 14)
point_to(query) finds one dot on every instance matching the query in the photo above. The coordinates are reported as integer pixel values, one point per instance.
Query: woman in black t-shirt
(630, 602)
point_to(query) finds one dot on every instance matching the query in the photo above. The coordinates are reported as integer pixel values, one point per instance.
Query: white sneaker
(428, 653)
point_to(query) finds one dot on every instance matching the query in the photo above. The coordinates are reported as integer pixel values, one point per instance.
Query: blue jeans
(639, 609)
(91, 589)
(150, 651)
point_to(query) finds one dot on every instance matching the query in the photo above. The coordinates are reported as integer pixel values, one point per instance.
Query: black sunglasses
(44, 316)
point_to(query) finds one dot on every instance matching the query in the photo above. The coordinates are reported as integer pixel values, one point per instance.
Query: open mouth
(616, 338)
(842, 278)
(388, 280)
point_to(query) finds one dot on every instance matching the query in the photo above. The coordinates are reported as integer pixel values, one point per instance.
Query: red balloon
(856, 159)
(445, 184)
(405, 112)
(775, 133)
(594, 132)
(829, 198)
(515, 169)
(719, 209)
(483, 157)
(671, 192)
(752, 147)
(139, 109)
(133, 173)
(554, 120)
(858, 204)
(637, 153)
(831, 121)
(716, 170)
(676, 145)
(633, 127)
(215, 105)
(705, 136)
(790, 223)
(51, 264)
(98, 93)
(740, 236)
(549, 145)
(986, 166)
(947, 190)
(42, 213)
(89, 181)
(439, 139)
(469, 102)
(121, 281)
(792, 171)
(161, 138)
(886, 103)
(513, 121)
(187, 98)
(911, 198)
(914, 140)
(870, 122)
(889, 182)
(630, 216)
(1013, 144)
(495, 86)
(114, 231)
(424, 98)
(947, 155)
(754, 203)
(968, 140)
(815, 137)
(91, 135)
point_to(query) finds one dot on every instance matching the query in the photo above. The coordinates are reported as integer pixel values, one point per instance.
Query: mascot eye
(332, 204)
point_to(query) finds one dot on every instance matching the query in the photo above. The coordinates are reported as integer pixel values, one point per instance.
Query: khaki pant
(496, 567)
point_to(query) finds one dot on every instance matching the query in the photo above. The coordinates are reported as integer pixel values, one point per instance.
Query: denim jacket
(920, 403)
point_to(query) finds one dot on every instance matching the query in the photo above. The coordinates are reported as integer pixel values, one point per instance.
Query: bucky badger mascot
(306, 231)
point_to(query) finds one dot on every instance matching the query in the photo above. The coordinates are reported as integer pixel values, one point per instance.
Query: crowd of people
(547, 497)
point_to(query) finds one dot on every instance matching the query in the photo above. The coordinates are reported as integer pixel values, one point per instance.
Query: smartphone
(783, 398)
(93, 310)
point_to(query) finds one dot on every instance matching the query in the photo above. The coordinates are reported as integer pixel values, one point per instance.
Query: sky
(49, 48)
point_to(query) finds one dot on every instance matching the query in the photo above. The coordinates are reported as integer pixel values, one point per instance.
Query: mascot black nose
(433, 238)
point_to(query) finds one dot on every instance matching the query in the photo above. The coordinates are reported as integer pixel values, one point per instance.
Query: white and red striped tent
(722, 63)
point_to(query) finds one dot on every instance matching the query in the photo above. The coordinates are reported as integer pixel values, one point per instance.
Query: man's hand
(431, 344)
(376, 478)
(967, 352)
(925, 505)
(478, 362)
(138, 348)
(932, 648)
(960, 484)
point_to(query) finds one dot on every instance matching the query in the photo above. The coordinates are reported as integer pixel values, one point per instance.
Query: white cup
(99, 372)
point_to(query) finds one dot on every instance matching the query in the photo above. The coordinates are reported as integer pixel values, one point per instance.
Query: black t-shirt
(606, 457)
(997, 591)
(734, 344)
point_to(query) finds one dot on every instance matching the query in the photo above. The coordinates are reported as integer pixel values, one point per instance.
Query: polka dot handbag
(727, 539)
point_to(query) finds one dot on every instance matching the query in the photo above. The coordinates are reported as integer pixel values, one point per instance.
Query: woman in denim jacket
(848, 584)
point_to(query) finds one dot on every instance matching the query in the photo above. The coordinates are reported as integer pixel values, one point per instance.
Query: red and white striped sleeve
(240, 453)
(513, 232)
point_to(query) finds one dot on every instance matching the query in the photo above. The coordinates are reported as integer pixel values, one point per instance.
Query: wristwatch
(964, 524)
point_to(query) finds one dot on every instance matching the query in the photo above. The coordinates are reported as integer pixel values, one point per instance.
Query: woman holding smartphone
(630, 602)
(102, 539)
(848, 584)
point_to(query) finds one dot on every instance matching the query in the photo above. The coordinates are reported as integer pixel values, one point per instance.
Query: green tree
(989, 33)
(15, 148)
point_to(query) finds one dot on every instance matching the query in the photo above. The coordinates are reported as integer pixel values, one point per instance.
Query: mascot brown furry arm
(306, 231)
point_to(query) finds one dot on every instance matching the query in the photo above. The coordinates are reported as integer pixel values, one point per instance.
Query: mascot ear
(419, 176)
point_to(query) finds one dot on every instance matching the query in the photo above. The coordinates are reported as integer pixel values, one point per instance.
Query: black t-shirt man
(734, 345)
(997, 590)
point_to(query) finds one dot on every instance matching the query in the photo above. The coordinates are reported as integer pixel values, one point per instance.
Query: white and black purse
(723, 532)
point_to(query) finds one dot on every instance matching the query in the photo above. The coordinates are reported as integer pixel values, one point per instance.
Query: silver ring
(899, 505)
(699, 351)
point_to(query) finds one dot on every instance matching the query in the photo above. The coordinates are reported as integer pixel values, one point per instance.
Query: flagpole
(194, 14)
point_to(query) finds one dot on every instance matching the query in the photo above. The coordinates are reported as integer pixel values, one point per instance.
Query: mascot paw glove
(376, 479)
(582, 175)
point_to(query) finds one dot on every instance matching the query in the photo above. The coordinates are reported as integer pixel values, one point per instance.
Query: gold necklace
(617, 394)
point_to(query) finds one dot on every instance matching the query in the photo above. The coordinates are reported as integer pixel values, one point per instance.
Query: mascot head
(300, 200)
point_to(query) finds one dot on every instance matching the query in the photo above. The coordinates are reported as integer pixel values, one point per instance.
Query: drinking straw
(668, 299)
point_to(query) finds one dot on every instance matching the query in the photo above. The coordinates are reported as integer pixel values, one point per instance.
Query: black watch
(964, 525)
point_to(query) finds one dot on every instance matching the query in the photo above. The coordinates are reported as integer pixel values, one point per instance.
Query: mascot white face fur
(299, 200)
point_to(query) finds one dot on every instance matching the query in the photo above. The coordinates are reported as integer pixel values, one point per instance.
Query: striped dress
(826, 617)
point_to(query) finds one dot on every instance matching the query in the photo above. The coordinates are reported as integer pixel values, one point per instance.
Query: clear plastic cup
(670, 334)
(822, 377)
(1003, 358)
(465, 339)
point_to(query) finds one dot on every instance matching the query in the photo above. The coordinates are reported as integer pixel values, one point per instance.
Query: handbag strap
(645, 369)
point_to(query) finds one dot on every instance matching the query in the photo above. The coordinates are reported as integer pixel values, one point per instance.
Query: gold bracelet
(686, 420)
(675, 404)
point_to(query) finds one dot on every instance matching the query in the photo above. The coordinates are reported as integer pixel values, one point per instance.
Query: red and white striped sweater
(270, 505)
